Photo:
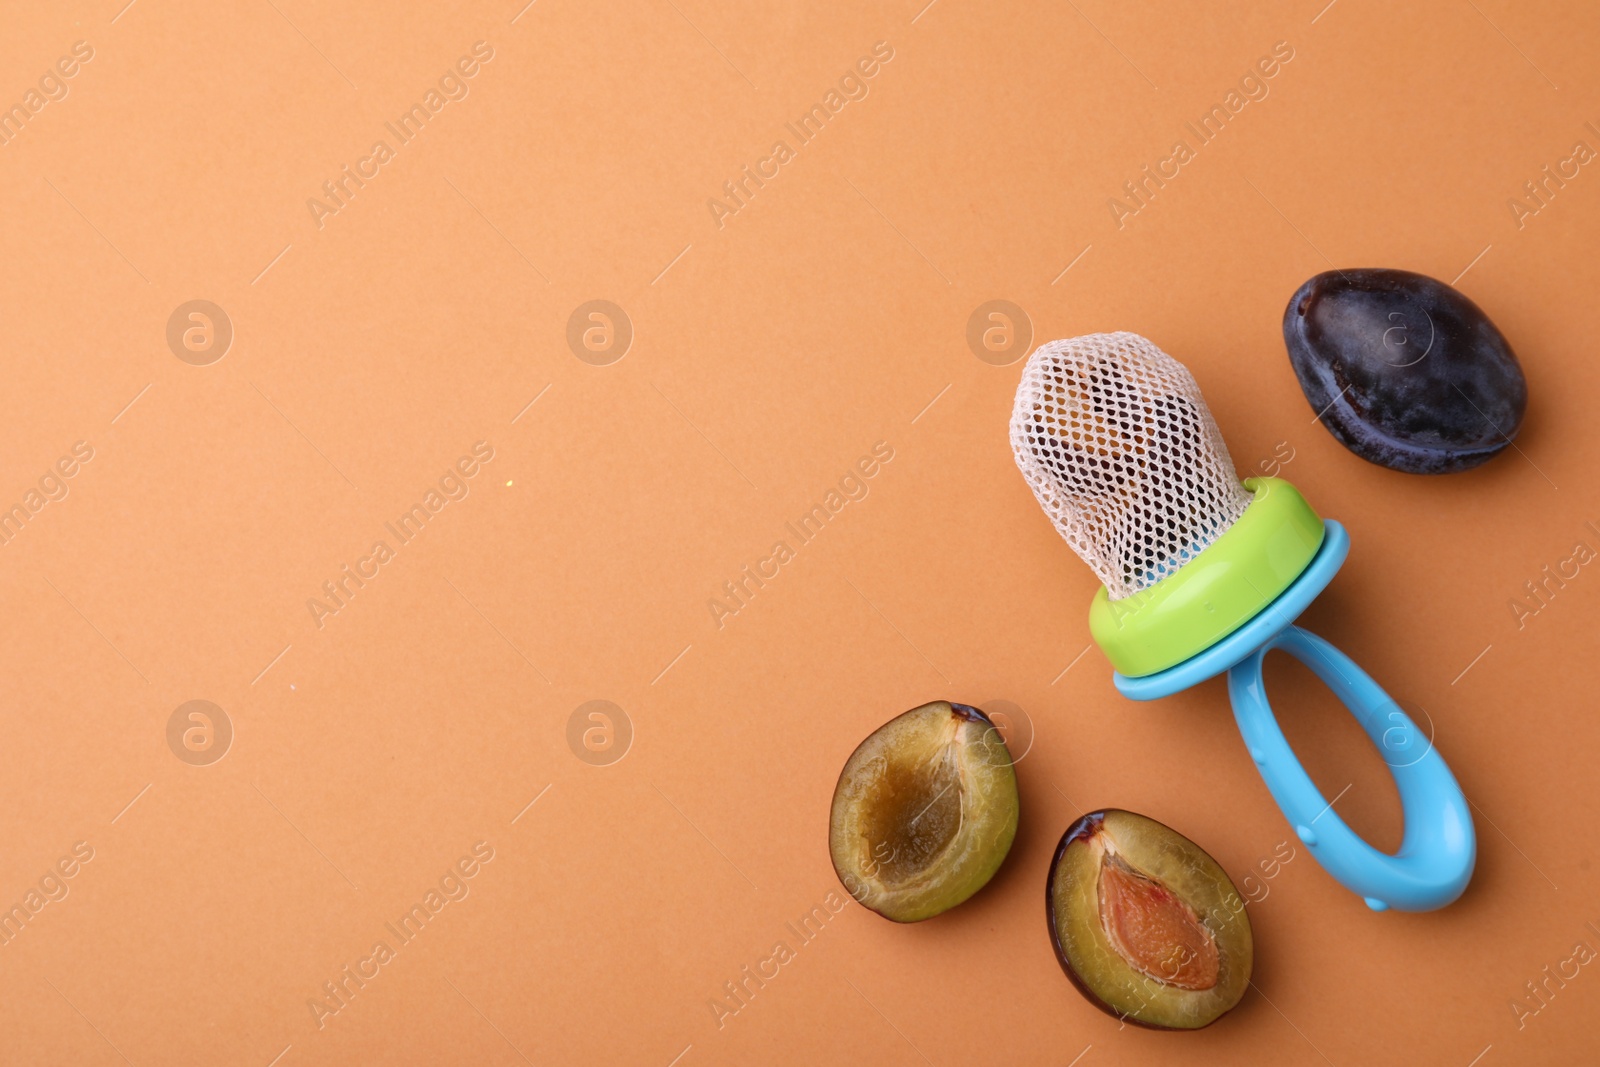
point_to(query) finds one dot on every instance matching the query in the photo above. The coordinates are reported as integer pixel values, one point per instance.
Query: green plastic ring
(1215, 593)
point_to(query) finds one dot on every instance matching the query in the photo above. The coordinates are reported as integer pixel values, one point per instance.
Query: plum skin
(1424, 394)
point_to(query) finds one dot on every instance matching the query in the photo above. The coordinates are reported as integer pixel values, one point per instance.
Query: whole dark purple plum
(1403, 370)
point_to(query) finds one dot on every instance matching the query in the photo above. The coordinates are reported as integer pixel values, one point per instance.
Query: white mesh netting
(1122, 453)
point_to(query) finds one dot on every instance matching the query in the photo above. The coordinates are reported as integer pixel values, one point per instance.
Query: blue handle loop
(1439, 847)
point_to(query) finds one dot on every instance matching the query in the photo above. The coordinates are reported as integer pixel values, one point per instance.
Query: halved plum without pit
(924, 812)
(1146, 924)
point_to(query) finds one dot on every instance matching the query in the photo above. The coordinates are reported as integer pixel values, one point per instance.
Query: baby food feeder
(1203, 574)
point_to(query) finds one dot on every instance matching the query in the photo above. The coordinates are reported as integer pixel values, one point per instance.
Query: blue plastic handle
(1439, 847)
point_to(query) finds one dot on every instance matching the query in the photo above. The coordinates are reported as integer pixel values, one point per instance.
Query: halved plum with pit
(924, 812)
(1146, 924)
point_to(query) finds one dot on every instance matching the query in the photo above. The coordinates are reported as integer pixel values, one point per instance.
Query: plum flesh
(924, 812)
(1146, 924)
(1403, 370)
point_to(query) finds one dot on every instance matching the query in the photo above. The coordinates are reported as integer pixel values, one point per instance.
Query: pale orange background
(769, 354)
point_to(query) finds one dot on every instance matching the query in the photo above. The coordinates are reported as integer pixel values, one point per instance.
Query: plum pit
(1153, 929)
